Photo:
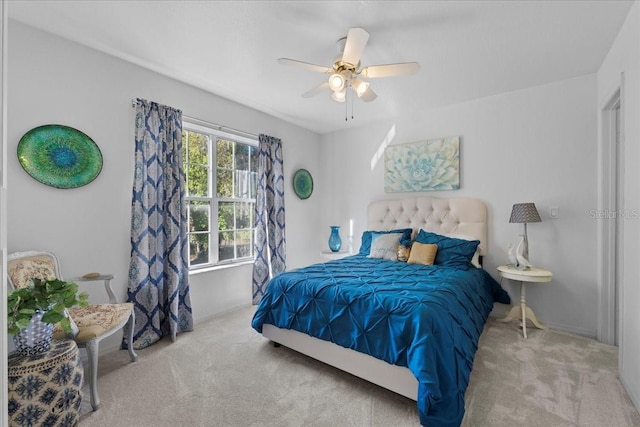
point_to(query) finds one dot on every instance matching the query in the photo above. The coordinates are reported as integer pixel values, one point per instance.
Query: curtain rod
(212, 125)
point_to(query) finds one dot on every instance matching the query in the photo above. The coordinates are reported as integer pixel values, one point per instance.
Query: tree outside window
(220, 175)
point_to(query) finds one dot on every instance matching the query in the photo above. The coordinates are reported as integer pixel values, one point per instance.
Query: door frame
(611, 175)
(4, 20)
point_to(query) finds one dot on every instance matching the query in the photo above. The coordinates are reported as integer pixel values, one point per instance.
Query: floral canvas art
(423, 166)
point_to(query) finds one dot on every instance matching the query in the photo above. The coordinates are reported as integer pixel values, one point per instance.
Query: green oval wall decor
(59, 156)
(302, 183)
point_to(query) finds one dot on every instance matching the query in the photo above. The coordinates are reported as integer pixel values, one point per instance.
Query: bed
(410, 328)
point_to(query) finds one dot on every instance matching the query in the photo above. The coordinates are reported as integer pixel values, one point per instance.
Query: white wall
(537, 145)
(624, 57)
(52, 80)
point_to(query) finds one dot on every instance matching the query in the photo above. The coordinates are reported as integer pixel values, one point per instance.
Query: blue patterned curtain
(159, 271)
(270, 248)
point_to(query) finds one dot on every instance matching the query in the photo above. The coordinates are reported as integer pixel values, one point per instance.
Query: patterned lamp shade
(524, 212)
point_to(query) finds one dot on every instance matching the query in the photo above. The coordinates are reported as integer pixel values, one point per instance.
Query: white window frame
(213, 198)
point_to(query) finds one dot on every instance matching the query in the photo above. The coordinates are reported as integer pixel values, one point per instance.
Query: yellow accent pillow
(422, 253)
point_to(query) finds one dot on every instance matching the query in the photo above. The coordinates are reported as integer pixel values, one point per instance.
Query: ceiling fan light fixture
(336, 82)
(339, 96)
(360, 86)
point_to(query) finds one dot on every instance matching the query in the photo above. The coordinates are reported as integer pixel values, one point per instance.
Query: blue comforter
(427, 318)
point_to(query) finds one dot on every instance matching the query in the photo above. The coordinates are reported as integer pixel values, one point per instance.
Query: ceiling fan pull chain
(346, 105)
(351, 106)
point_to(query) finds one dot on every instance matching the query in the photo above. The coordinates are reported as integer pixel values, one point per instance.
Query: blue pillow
(365, 245)
(451, 252)
(404, 241)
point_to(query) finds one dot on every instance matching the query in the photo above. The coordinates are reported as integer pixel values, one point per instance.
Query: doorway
(611, 214)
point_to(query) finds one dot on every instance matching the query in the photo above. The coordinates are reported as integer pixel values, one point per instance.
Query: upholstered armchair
(94, 322)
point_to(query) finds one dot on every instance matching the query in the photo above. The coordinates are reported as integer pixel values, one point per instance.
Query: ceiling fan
(346, 72)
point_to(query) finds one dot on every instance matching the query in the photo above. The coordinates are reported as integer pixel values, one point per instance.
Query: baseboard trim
(571, 330)
(221, 313)
(635, 399)
(113, 348)
(499, 312)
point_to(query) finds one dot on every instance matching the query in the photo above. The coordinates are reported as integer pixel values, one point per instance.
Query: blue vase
(335, 242)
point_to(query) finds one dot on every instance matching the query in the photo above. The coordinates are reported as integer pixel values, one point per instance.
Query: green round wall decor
(59, 156)
(302, 183)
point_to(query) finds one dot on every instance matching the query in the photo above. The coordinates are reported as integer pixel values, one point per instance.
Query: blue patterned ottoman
(46, 389)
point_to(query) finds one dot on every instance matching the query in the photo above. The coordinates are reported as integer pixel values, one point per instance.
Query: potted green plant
(33, 310)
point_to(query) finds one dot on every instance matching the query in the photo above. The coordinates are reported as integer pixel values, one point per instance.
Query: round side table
(46, 388)
(522, 312)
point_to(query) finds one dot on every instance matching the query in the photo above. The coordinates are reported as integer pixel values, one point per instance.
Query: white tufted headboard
(442, 216)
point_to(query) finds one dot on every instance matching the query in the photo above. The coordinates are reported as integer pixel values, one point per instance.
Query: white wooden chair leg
(132, 324)
(92, 353)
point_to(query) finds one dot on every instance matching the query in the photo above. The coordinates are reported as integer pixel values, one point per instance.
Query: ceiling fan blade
(305, 65)
(316, 90)
(356, 41)
(368, 95)
(390, 70)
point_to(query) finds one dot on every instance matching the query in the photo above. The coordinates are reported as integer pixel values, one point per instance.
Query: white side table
(334, 255)
(532, 275)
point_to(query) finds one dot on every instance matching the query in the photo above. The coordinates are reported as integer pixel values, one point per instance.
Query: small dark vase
(335, 242)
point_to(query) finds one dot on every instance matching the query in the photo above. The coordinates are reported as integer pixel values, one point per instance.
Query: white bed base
(443, 216)
(395, 378)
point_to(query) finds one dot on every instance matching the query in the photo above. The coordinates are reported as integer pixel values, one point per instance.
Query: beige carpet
(225, 374)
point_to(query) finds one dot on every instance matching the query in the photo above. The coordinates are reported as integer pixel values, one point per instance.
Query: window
(221, 172)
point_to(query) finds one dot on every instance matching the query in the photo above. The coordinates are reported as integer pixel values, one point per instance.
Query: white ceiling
(466, 49)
